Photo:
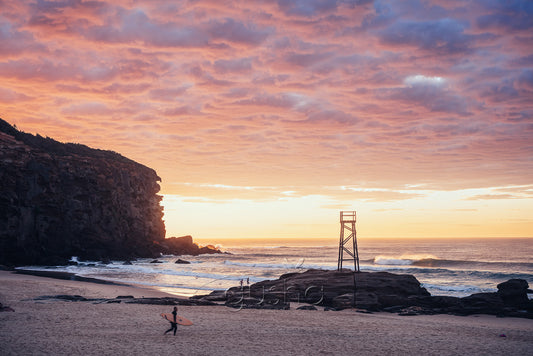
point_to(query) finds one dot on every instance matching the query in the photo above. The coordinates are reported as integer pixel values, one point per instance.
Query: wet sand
(85, 328)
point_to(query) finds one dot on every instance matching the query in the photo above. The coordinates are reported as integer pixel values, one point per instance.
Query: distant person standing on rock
(173, 325)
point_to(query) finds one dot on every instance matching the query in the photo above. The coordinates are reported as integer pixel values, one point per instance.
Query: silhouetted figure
(173, 325)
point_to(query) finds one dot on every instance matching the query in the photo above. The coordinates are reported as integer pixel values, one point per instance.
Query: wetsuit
(173, 325)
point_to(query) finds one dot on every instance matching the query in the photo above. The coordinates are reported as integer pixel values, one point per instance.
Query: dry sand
(84, 328)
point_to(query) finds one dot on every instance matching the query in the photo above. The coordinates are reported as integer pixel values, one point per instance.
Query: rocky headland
(59, 200)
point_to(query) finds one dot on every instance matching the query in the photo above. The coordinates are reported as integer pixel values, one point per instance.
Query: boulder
(307, 307)
(514, 292)
(183, 262)
(330, 309)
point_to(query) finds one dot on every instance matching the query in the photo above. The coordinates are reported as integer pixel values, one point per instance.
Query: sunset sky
(266, 118)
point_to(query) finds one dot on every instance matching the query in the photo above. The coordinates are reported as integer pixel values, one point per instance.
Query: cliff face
(60, 200)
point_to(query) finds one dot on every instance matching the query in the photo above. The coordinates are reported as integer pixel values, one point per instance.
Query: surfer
(173, 325)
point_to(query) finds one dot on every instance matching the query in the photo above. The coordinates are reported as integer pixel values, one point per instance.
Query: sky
(266, 118)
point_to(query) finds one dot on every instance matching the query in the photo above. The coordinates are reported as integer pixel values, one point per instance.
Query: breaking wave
(404, 260)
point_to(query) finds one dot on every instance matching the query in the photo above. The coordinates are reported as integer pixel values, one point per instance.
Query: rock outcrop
(374, 291)
(186, 246)
(60, 200)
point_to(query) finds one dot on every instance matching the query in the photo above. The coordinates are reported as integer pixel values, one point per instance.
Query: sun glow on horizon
(459, 214)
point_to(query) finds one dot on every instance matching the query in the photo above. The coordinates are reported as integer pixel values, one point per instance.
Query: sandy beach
(85, 328)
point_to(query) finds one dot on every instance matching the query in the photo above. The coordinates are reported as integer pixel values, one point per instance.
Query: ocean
(451, 267)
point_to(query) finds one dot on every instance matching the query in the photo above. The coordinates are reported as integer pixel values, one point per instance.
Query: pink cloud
(11, 96)
(87, 109)
(29, 69)
(237, 32)
(137, 26)
(283, 100)
(333, 90)
(240, 65)
(14, 42)
(167, 94)
(431, 97)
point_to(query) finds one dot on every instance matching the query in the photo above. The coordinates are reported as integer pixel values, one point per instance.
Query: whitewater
(452, 267)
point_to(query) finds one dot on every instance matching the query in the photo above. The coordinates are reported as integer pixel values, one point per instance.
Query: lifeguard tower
(348, 240)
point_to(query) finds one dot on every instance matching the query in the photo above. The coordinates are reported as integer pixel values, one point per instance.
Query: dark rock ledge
(375, 291)
(124, 299)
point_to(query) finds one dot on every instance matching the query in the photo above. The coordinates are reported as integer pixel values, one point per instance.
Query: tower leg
(341, 247)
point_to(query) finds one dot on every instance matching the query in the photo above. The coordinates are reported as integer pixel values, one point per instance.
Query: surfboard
(179, 319)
